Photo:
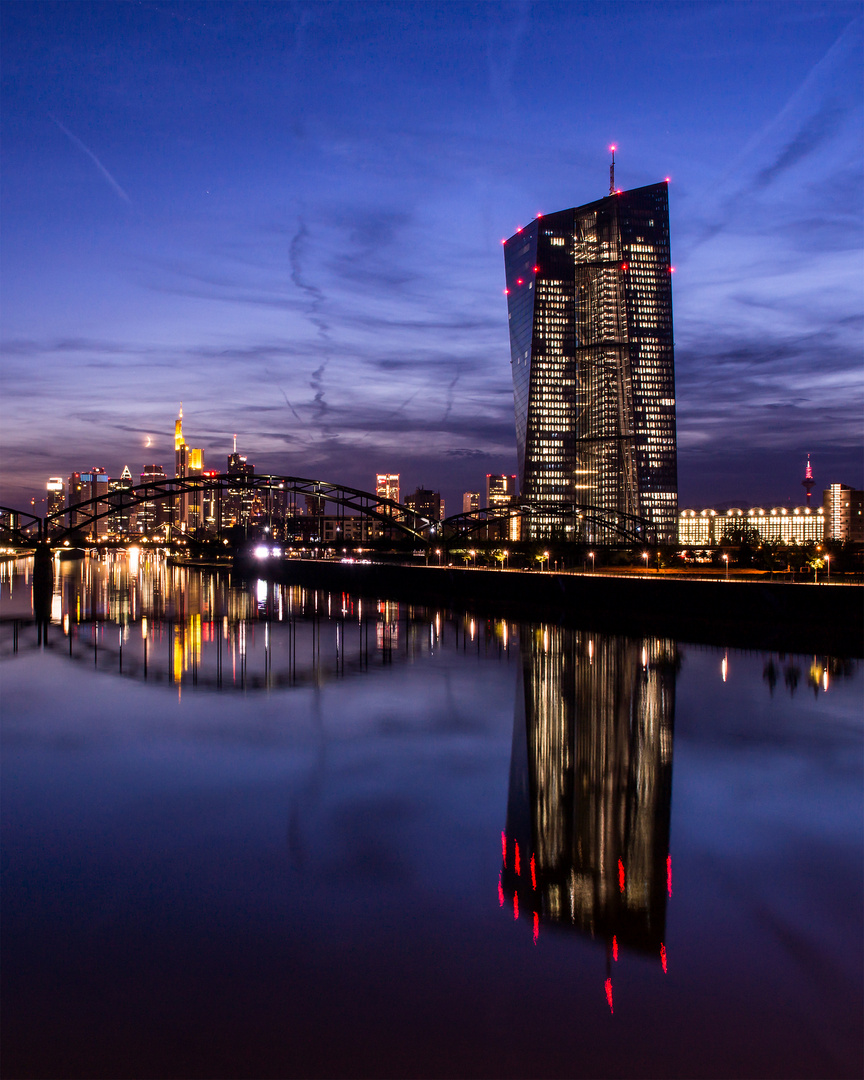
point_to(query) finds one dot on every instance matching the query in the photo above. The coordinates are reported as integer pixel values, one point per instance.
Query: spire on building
(808, 483)
(612, 172)
(179, 441)
(126, 475)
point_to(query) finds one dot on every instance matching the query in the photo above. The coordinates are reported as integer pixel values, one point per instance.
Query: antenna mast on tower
(612, 172)
(808, 483)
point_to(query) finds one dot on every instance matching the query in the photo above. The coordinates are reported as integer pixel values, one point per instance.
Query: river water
(251, 830)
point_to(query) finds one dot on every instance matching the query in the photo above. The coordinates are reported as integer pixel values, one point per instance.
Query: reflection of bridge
(576, 521)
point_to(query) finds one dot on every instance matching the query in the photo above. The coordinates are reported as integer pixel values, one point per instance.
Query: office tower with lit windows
(94, 485)
(121, 521)
(55, 500)
(844, 513)
(151, 515)
(590, 309)
(387, 486)
(470, 501)
(427, 504)
(188, 461)
(500, 489)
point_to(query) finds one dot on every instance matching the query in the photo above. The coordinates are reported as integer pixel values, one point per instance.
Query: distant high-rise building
(470, 501)
(590, 310)
(94, 485)
(121, 521)
(776, 525)
(55, 501)
(240, 499)
(500, 489)
(152, 514)
(74, 495)
(844, 513)
(387, 486)
(426, 503)
(188, 461)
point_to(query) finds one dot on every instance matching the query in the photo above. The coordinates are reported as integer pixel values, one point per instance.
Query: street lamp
(546, 557)
(438, 553)
(828, 566)
(645, 557)
(591, 557)
(726, 560)
(506, 554)
(473, 555)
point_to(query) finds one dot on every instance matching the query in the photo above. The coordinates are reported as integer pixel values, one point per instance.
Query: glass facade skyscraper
(590, 309)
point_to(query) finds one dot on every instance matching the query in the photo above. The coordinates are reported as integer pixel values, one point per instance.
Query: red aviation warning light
(519, 281)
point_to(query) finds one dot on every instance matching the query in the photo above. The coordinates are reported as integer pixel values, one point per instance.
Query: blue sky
(289, 216)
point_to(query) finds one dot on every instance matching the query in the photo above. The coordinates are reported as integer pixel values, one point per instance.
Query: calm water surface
(256, 831)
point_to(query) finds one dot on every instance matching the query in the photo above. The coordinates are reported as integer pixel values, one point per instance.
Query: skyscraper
(589, 301)
(188, 461)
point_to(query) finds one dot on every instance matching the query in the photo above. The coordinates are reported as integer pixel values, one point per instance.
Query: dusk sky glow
(289, 217)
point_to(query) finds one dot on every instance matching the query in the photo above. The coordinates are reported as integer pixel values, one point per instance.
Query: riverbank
(751, 613)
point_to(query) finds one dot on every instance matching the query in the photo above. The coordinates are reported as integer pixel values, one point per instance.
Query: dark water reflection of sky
(294, 866)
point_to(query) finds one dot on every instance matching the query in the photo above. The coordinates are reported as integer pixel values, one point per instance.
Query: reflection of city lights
(644, 656)
(517, 864)
(536, 927)
(724, 666)
(663, 957)
(608, 987)
(669, 874)
(504, 849)
(621, 875)
(500, 893)
(533, 873)
(825, 680)
(515, 905)
(614, 947)
(591, 651)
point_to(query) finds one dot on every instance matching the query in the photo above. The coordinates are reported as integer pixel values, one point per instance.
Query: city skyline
(324, 278)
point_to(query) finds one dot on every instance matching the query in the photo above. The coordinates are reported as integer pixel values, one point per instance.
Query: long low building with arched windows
(777, 525)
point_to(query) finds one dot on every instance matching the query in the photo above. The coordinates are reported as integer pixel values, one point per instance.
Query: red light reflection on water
(503, 848)
(614, 947)
(608, 988)
(517, 864)
(669, 874)
(663, 957)
(533, 874)
(515, 905)
(536, 927)
(500, 893)
(621, 875)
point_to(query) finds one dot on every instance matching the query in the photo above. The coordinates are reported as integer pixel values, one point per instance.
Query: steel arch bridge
(86, 513)
(25, 528)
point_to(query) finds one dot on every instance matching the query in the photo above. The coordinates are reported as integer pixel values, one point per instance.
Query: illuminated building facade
(470, 501)
(844, 513)
(240, 501)
(427, 504)
(586, 842)
(55, 499)
(500, 489)
(74, 495)
(188, 461)
(777, 525)
(94, 485)
(589, 300)
(151, 515)
(121, 521)
(387, 486)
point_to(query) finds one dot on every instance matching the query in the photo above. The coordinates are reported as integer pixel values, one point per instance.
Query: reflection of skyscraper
(591, 785)
(590, 310)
